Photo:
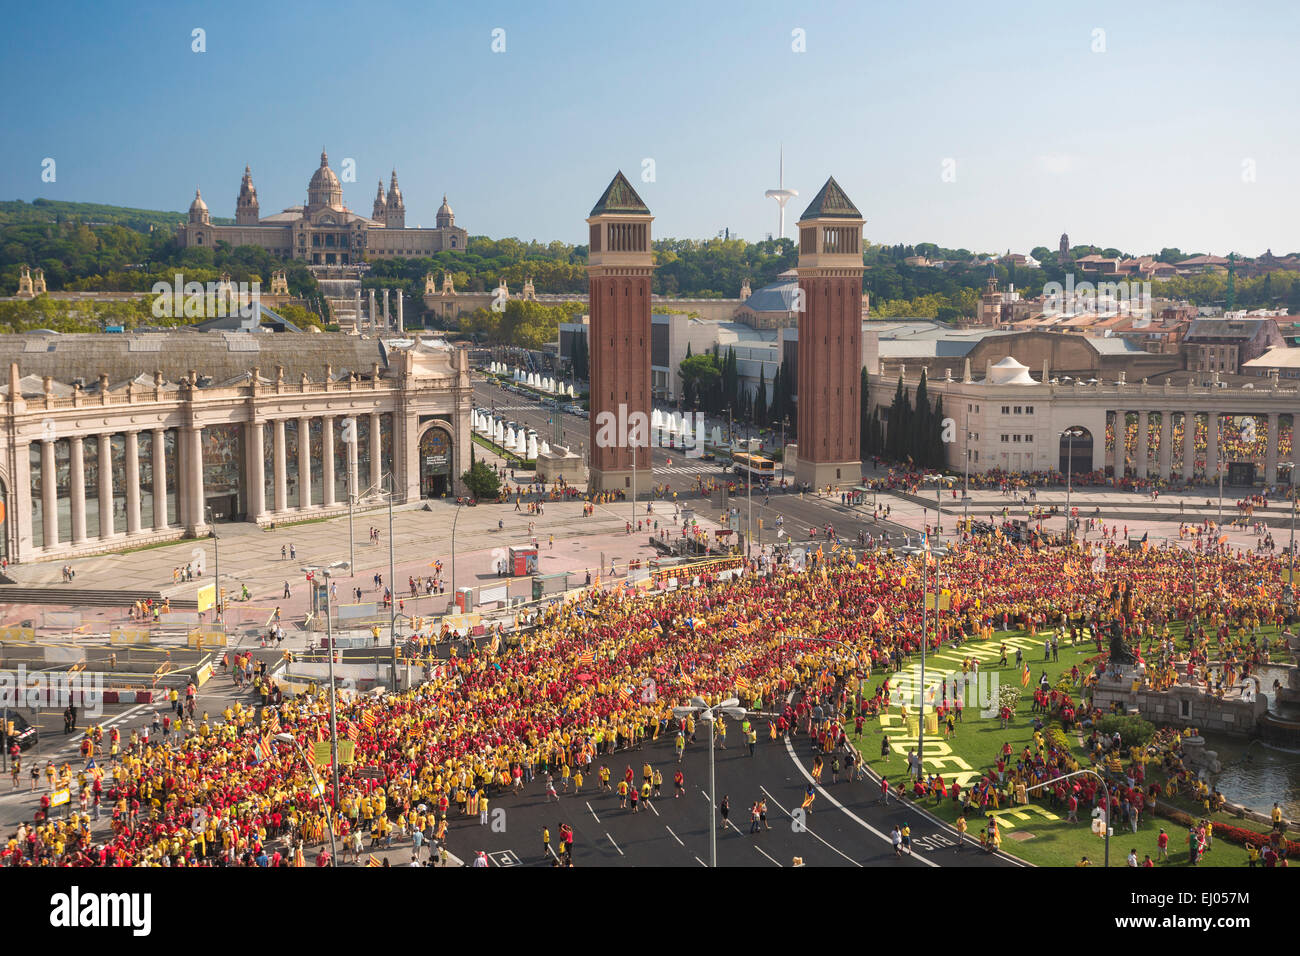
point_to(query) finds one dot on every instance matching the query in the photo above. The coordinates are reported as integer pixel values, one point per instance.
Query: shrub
(1133, 731)
(1008, 696)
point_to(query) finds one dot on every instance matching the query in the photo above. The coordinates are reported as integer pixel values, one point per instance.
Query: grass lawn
(1038, 833)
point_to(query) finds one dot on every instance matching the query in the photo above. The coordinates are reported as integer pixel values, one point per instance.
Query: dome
(1009, 372)
(198, 205)
(444, 209)
(324, 188)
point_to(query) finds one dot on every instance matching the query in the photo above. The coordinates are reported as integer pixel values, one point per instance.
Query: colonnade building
(114, 441)
(1009, 421)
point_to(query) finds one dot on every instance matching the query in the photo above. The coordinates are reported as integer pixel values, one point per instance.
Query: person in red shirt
(1162, 845)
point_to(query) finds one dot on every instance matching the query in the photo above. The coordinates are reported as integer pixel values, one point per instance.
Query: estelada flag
(879, 616)
(264, 750)
(1024, 678)
(368, 718)
(350, 730)
(373, 861)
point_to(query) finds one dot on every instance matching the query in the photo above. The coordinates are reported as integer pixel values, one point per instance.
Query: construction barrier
(124, 636)
(128, 696)
(199, 638)
(17, 634)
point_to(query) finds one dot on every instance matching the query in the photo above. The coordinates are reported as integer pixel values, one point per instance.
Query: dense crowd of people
(601, 674)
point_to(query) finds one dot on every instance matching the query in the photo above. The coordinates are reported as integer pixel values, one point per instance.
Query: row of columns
(1142, 464)
(192, 503)
(77, 487)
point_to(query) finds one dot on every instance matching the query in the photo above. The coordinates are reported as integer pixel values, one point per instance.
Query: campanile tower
(830, 340)
(619, 266)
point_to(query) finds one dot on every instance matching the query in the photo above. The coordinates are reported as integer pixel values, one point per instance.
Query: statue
(1119, 651)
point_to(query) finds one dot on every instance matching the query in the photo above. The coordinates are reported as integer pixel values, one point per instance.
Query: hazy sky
(1181, 131)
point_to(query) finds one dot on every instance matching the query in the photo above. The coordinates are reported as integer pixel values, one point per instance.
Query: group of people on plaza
(504, 718)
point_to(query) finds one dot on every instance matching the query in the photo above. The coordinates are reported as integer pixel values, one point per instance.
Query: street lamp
(1070, 434)
(1105, 792)
(328, 571)
(731, 708)
(286, 738)
(938, 552)
(216, 560)
(349, 437)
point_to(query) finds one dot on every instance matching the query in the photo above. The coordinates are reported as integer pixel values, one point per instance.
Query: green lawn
(1037, 833)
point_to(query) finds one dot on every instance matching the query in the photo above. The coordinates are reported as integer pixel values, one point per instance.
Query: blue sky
(1149, 143)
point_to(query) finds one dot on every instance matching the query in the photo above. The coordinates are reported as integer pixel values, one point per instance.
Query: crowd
(599, 675)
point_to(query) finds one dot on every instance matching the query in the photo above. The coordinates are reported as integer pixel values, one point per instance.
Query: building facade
(324, 232)
(114, 441)
(1010, 421)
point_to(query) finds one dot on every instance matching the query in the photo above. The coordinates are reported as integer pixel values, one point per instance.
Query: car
(24, 734)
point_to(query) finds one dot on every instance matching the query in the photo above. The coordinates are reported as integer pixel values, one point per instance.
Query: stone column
(256, 471)
(1121, 433)
(356, 309)
(376, 466)
(159, 448)
(1166, 444)
(304, 463)
(401, 326)
(106, 486)
(132, 483)
(1270, 448)
(77, 490)
(1144, 437)
(281, 488)
(385, 309)
(49, 495)
(371, 314)
(198, 498)
(327, 461)
(1189, 446)
(1212, 445)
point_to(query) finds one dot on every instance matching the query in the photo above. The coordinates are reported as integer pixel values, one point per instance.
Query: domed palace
(325, 232)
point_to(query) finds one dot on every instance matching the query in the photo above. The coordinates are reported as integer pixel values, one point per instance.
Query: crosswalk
(703, 468)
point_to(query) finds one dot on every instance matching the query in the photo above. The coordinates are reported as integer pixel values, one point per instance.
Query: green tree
(481, 480)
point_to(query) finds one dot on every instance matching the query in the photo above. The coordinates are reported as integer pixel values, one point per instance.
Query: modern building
(619, 267)
(112, 441)
(324, 232)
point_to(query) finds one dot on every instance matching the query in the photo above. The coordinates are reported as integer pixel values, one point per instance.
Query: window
(1015, 438)
(1006, 409)
(1004, 439)
(1029, 409)
(1017, 409)
(1029, 438)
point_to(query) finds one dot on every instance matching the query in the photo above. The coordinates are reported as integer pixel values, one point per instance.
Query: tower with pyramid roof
(830, 340)
(619, 267)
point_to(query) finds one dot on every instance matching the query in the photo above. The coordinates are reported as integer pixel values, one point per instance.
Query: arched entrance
(1076, 450)
(436, 460)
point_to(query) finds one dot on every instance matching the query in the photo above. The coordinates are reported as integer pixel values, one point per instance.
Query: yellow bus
(754, 467)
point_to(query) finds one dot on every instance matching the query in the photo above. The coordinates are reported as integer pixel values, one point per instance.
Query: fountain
(1280, 726)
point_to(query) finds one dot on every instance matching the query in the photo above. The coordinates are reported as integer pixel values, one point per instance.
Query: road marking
(674, 835)
(765, 853)
(700, 862)
(592, 812)
(809, 830)
(613, 844)
(652, 807)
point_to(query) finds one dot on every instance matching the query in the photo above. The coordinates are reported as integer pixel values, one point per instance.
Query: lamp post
(937, 552)
(1105, 792)
(329, 637)
(965, 491)
(456, 518)
(287, 738)
(392, 589)
(349, 437)
(216, 561)
(784, 422)
(731, 708)
(1070, 435)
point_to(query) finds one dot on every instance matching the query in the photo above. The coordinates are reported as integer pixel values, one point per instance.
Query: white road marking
(652, 807)
(592, 812)
(766, 854)
(700, 862)
(613, 844)
(809, 830)
(674, 835)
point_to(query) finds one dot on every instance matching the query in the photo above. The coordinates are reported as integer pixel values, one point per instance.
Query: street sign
(370, 773)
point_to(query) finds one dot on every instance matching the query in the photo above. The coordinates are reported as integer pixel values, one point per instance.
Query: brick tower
(619, 265)
(830, 340)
